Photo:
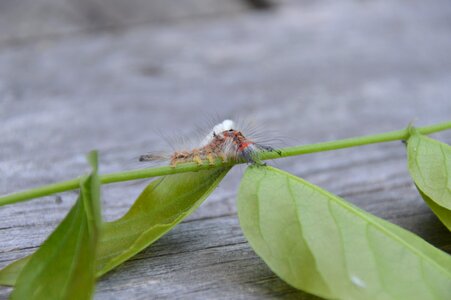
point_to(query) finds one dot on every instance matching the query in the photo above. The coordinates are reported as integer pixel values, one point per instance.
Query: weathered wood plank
(311, 72)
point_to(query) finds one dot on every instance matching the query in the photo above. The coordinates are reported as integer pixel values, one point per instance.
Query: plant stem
(402, 134)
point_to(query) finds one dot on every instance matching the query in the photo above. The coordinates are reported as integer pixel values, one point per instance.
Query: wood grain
(307, 71)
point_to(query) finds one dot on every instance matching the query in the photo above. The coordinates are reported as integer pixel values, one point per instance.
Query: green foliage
(162, 205)
(429, 164)
(324, 245)
(442, 213)
(64, 266)
(9, 274)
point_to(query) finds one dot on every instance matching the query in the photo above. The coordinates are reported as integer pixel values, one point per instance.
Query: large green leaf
(64, 266)
(162, 205)
(430, 167)
(326, 246)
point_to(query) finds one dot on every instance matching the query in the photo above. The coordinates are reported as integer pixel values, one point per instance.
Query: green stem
(402, 134)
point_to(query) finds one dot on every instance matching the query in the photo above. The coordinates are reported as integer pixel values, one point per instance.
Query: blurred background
(77, 75)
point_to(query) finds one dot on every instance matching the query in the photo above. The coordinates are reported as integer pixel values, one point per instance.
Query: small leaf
(163, 204)
(9, 274)
(429, 164)
(64, 266)
(319, 243)
(442, 213)
(160, 207)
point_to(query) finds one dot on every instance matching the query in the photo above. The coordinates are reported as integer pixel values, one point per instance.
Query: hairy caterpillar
(223, 142)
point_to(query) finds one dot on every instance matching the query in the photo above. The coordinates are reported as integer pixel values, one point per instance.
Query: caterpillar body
(223, 142)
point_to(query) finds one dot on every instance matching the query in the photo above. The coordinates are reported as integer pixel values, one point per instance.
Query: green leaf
(429, 164)
(9, 274)
(64, 266)
(161, 206)
(442, 213)
(319, 243)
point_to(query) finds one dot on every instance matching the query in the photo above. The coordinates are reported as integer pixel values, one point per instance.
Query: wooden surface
(79, 75)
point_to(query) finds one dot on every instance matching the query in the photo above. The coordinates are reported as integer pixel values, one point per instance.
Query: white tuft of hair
(218, 128)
